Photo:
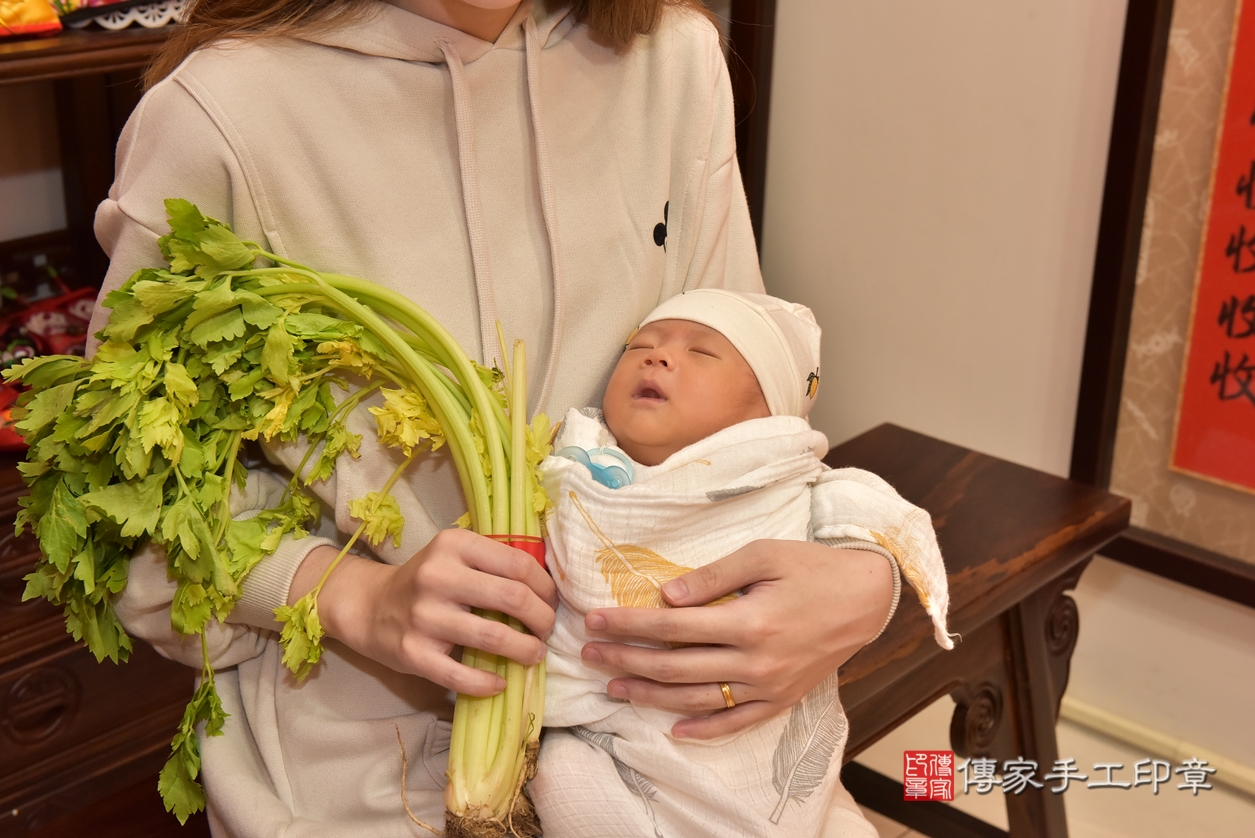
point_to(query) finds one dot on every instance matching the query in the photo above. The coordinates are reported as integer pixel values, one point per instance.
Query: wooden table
(1015, 540)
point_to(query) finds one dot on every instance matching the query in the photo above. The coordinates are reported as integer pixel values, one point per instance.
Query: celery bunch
(142, 444)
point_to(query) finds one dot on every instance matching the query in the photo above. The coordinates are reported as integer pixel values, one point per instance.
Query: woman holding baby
(493, 160)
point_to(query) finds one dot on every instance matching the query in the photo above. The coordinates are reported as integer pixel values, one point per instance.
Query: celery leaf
(382, 516)
(302, 634)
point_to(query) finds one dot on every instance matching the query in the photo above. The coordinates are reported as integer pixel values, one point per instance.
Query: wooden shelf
(77, 52)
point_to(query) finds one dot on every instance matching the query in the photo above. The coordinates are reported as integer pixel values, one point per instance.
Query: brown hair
(614, 22)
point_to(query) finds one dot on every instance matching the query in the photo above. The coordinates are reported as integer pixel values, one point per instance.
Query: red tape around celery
(530, 544)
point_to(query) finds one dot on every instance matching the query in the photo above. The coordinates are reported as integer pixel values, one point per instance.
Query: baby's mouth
(649, 391)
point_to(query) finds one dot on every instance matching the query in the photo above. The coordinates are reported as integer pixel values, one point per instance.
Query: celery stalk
(495, 739)
(221, 351)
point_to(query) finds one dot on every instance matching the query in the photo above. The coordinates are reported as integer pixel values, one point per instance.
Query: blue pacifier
(613, 477)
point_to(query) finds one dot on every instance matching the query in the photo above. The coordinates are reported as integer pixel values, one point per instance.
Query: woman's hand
(806, 609)
(409, 617)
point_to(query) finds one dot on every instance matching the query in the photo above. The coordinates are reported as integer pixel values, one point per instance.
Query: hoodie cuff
(858, 544)
(266, 586)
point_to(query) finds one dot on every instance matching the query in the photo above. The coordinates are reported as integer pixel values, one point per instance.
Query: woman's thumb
(708, 583)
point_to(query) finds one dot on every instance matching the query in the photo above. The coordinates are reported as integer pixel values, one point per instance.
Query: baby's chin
(651, 452)
(654, 450)
(645, 452)
(646, 456)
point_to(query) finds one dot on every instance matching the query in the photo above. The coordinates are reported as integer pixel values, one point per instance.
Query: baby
(704, 448)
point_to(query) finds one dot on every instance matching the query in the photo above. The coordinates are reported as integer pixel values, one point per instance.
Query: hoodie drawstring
(544, 175)
(468, 165)
(474, 210)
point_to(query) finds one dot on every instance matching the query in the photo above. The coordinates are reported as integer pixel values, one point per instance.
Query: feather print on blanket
(815, 730)
(907, 550)
(635, 574)
(633, 779)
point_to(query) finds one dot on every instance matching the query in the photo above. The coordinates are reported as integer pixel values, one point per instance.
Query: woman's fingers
(477, 572)
(805, 609)
(714, 624)
(497, 559)
(711, 716)
(690, 699)
(727, 623)
(719, 578)
(455, 627)
(692, 665)
(493, 593)
(410, 616)
(448, 673)
(725, 722)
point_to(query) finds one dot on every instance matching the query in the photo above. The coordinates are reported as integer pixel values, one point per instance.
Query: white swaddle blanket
(617, 771)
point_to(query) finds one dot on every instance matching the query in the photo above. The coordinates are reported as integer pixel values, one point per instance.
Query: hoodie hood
(390, 32)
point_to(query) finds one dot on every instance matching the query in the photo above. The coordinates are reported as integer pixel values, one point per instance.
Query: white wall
(31, 200)
(1167, 657)
(934, 181)
(933, 187)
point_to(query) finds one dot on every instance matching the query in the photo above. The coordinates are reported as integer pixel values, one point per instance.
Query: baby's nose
(656, 359)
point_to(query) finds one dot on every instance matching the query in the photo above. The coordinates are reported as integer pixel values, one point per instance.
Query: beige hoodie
(543, 180)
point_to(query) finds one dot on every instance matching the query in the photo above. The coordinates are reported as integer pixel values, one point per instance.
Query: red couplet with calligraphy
(1215, 433)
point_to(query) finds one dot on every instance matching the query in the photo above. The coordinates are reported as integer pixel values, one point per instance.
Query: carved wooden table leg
(1025, 687)
(1015, 541)
(1043, 631)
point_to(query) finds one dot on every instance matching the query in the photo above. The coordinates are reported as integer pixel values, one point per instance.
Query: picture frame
(1135, 119)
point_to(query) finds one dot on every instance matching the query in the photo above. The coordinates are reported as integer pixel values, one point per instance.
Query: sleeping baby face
(678, 382)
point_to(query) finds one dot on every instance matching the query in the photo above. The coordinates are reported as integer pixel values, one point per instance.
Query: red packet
(28, 17)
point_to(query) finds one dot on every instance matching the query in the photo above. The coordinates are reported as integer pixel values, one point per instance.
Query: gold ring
(727, 694)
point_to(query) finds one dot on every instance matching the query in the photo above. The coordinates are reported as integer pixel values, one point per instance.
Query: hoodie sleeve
(144, 605)
(850, 505)
(724, 254)
(172, 148)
